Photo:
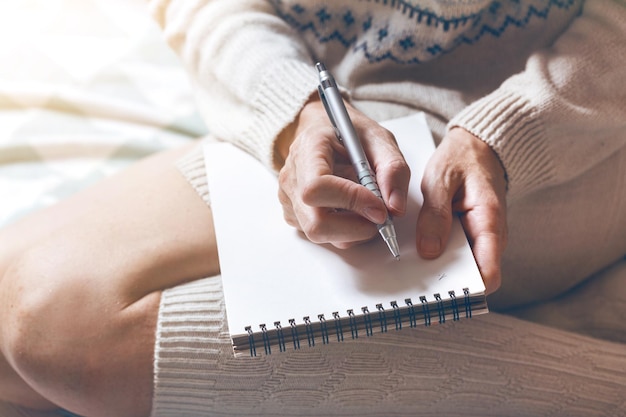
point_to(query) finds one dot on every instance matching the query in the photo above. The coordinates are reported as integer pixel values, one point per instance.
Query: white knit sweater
(541, 81)
(532, 78)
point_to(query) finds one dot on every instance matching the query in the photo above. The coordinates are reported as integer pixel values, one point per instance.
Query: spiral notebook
(284, 293)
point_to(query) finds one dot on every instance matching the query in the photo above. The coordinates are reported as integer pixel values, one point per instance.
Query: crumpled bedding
(86, 88)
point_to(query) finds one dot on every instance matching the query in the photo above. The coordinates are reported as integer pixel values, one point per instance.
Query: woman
(528, 114)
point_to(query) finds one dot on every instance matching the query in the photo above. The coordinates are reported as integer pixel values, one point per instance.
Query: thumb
(435, 217)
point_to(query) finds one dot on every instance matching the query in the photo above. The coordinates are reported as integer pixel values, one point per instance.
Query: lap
(90, 270)
(144, 229)
(490, 365)
(121, 243)
(562, 235)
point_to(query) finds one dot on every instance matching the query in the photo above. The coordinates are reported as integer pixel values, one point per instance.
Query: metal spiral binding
(281, 336)
(412, 317)
(266, 340)
(425, 310)
(368, 321)
(441, 310)
(310, 335)
(468, 306)
(354, 330)
(338, 326)
(324, 328)
(397, 317)
(382, 318)
(251, 341)
(455, 306)
(294, 334)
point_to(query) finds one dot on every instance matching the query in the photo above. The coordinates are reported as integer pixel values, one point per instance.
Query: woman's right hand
(317, 186)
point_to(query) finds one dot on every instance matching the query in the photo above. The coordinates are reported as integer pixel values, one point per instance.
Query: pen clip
(320, 91)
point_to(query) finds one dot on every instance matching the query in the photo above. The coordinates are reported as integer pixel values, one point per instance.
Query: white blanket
(86, 88)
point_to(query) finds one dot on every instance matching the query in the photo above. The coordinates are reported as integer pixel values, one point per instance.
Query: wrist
(487, 155)
(310, 111)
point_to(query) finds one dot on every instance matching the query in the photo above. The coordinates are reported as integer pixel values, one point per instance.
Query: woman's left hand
(465, 176)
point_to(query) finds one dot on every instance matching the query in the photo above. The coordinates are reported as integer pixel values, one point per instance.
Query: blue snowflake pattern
(401, 42)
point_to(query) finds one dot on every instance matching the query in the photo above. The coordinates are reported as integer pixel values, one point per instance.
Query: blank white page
(271, 272)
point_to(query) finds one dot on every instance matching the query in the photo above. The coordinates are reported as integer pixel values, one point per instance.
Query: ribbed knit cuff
(192, 167)
(284, 88)
(191, 337)
(510, 125)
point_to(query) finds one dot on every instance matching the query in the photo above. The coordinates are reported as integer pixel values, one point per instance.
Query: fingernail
(397, 201)
(430, 246)
(375, 215)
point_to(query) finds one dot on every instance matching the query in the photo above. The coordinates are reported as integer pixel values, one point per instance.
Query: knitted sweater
(540, 81)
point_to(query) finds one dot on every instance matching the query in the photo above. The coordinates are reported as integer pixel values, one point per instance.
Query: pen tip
(397, 257)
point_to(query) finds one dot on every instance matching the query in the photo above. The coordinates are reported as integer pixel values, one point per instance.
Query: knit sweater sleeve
(251, 73)
(566, 112)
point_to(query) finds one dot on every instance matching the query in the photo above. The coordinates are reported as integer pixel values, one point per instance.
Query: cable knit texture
(491, 365)
(540, 81)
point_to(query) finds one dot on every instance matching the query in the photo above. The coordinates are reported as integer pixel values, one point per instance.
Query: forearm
(565, 112)
(251, 72)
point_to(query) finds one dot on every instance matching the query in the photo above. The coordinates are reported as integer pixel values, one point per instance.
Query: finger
(339, 228)
(288, 212)
(330, 191)
(305, 162)
(391, 170)
(434, 221)
(321, 222)
(485, 228)
(394, 185)
(483, 207)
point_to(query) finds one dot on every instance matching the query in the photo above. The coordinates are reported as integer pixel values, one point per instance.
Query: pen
(338, 115)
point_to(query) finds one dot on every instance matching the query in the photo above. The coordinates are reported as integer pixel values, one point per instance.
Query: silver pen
(339, 118)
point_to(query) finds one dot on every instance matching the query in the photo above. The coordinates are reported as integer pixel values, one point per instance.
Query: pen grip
(367, 178)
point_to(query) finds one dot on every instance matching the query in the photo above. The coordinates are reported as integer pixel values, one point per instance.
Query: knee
(37, 318)
(45, 327)
(71, 341)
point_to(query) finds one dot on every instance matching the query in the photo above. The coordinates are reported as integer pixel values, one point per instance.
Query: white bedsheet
(86, 87)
